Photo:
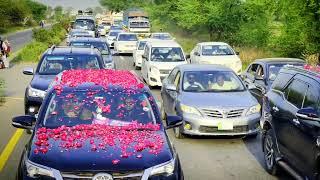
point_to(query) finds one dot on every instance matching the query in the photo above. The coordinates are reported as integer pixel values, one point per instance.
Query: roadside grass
(188, 41)
(43, 39)
(2, 86)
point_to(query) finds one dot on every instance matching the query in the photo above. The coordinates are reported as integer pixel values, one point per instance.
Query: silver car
(211, 99)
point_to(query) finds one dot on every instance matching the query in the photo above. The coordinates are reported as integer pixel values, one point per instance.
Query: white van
(159, 58)
(125, 43)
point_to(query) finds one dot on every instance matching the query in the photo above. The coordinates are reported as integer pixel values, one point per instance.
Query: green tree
(38, 10)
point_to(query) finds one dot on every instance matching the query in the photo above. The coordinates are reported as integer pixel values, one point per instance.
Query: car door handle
(275, 109)
(296, 121)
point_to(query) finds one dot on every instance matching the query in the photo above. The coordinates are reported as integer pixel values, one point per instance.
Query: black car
(98, 128)
(291, 123)
(52, 62)
(98, 43)
(260, 74)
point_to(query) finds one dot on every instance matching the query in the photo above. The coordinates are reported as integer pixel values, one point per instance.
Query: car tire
(269, 153)
(178, 133)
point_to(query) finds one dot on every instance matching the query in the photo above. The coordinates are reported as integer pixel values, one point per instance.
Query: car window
(260, 72)
(127, 37)
(53, 65)
(295, 92)
(253, 69)
(216, 50)
(167, 54)
(172, 75)
(109, 107)
(281, 81)
(177, 80)
(211, 81)
(102, 46)
(142, 44)
(146, 52)
(274, 69)
(312, 98)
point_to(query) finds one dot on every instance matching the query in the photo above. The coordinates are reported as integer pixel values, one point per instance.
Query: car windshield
(127, 37)
(275, 68)
(211, 81)
(167, 54)
(114, 33)
(53, 65)
(142, 44)
(110, 107)
(162, 36)
(99, 45)
(139, 24)
(216, 50)
(87, 24)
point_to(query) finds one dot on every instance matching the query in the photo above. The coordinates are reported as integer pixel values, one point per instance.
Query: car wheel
(178, 133)
(270, 153)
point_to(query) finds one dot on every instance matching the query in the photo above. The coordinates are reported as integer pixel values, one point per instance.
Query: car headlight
(254, 109)
(36, 92)
(166, 168)
(189, 109)
(35, 170)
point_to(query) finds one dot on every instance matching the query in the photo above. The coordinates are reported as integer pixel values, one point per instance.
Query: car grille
(162, 71)
(236, 129)
(218, 114)
(90, 175)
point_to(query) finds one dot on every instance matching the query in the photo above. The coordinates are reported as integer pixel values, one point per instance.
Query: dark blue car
(52, 62)
(91, 131)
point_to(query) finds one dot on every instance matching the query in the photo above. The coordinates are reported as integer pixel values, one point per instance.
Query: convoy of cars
(206, 93)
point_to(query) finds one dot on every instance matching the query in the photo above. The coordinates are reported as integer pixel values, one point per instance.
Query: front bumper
(205, 126)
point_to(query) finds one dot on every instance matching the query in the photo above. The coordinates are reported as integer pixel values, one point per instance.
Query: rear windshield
(127, 37)
(99, 45)
(53, 65)
(142, 44)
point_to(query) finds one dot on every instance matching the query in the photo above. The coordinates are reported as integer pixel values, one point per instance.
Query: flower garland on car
(312, 68)
(132, 138)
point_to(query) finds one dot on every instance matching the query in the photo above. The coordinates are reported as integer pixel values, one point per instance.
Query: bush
(32, 52)
(50, 36)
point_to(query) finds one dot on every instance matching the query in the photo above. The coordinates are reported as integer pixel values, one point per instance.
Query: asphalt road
(202, 158)
(20, 39)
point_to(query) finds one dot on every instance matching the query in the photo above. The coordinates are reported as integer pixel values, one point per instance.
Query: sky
(76, 4)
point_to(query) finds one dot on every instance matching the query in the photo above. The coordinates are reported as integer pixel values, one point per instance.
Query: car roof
(87, 82)
(279, 60)
(213, 43)
(163, 43)
(203, 67)
(87, 39)
(306, 70)
(68, 50)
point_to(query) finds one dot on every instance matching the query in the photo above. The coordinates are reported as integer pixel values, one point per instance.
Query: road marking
(15, 98)
(5, 154)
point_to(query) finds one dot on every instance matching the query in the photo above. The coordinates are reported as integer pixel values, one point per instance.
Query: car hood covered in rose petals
(132, 151)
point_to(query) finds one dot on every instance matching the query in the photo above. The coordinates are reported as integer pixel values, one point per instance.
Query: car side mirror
(196, 54)
(171, 87)
(308, 114)
(237, 53)
(28, 71)
(188, 56)
(23, 122)
(173, 121)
